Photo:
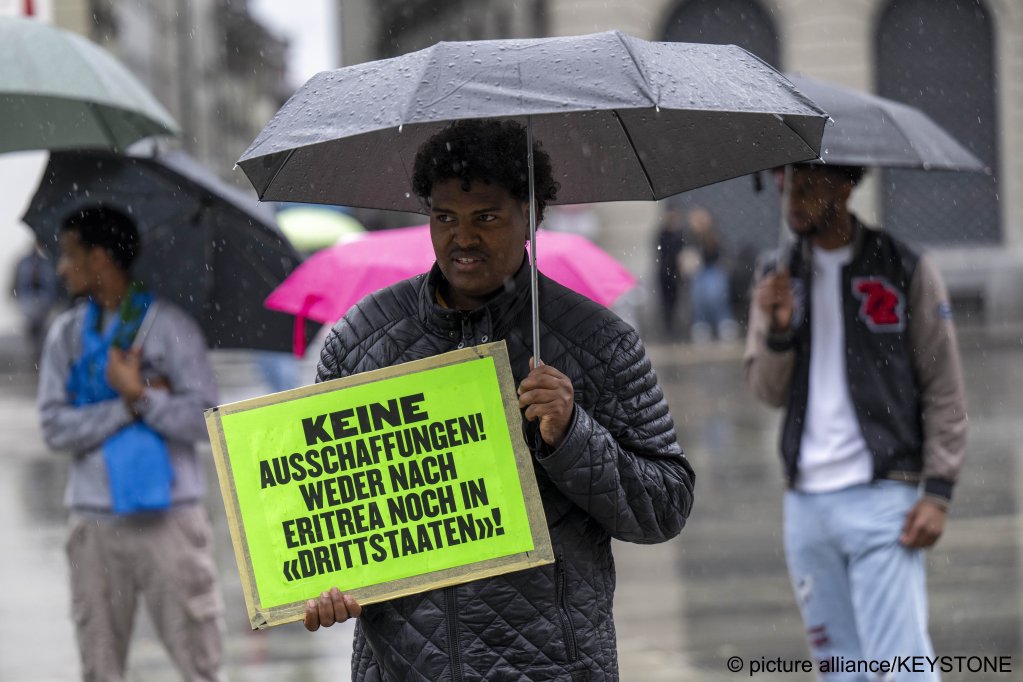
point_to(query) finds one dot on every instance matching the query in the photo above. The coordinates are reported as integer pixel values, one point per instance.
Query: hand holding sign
(331, 607)
(546, 394)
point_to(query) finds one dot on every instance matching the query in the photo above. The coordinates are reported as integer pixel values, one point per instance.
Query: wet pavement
(682, 609)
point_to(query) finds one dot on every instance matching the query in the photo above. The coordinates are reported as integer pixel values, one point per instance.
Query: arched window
(939, 56)
(746, 219)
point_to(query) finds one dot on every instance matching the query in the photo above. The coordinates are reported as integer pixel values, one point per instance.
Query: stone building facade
(958, 60)
(218, 71)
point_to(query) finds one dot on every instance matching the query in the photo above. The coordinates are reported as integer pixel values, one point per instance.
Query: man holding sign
(603, 441)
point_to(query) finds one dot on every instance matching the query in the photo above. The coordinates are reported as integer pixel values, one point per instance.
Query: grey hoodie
(174, 349)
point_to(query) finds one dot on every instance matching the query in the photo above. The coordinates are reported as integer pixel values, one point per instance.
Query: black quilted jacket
(619, 473)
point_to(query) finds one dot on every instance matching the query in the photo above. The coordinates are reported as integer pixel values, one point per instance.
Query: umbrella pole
(785, 237)
(533, 279)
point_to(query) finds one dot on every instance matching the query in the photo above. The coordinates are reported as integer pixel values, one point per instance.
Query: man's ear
(100, 259)
(524, 207)
(97, 255)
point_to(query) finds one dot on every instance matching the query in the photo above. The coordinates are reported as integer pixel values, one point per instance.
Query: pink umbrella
(331, 281)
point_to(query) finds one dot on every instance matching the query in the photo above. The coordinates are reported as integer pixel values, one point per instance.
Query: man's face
(478, 237)
(78, 265)
(815, 197)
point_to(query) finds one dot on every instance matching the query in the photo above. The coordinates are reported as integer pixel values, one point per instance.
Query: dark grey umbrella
(207, 246)
(874, 131)
(622, 118)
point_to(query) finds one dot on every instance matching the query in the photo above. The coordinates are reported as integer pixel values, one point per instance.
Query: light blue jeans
(712, 313)
(863, 596)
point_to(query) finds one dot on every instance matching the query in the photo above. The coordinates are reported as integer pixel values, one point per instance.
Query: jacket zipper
(455, 654)
(466, 332)
(563, 614)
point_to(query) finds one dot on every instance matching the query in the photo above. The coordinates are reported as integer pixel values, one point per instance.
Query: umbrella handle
(533, 278)
(785, 237)
(298, 340)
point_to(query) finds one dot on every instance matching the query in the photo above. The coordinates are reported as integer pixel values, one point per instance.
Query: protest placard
(383, 484)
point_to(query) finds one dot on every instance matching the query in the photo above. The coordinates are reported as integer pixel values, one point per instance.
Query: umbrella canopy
(331, 281)
(874, 131)
(622, 118)
(60, 91)
(311, 228)
(205, 245)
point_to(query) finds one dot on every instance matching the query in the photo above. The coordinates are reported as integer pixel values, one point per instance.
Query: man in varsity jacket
(854, 337)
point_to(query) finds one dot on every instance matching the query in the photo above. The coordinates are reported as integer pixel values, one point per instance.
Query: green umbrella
(311, 228)
(60, 91)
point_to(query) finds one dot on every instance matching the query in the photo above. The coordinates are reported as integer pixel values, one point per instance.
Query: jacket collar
(496, 315)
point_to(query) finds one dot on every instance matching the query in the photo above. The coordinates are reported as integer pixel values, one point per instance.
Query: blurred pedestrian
(36, 293)
(855, 338)
(279, 370)
(740, 283)
(711, 300)
(123, 383)
(602, 438)
(668, 249)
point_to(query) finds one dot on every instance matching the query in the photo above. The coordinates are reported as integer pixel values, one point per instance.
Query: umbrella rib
(280, 167)
(422, 73)
(93, 107)
(905, 138)
(809, 147)
(656, 100)
(628, 135)
(632, 145)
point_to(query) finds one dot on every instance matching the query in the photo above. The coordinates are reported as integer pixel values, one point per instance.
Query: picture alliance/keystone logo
(893, 665)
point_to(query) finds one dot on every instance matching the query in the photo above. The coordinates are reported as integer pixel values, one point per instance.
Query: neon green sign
(385, 483)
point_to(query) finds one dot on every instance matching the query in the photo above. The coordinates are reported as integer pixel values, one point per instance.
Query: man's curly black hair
(487, 151)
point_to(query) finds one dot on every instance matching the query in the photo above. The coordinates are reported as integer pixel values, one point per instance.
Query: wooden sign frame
(262, 615)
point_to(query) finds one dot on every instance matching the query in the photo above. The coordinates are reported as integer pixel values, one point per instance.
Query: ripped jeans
(862, 595)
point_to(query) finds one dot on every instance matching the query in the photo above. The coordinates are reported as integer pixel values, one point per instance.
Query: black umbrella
(207, 246)
(621, 118)
(869, 130)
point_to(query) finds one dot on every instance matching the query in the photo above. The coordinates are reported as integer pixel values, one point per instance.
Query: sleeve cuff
(781, 342)
(548, 456)
(150, 397)
(938, 490)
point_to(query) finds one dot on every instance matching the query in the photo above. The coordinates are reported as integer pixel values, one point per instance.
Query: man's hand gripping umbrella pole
(774, 292)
